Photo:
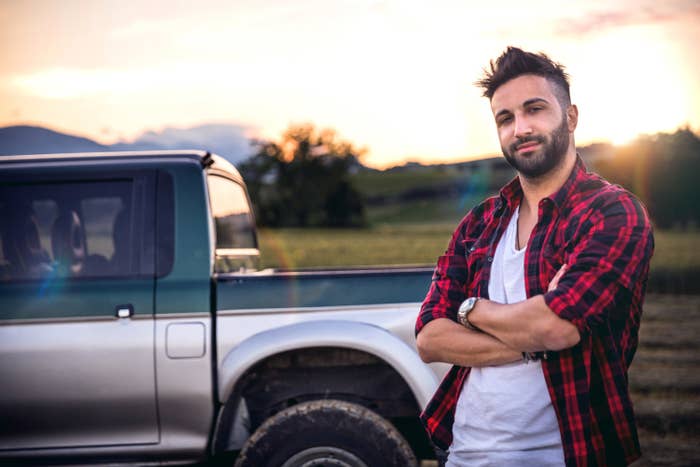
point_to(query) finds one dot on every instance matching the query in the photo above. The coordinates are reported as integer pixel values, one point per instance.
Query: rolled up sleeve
(605, 266)
(447, 287)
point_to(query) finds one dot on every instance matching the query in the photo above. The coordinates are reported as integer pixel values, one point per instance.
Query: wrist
(476, 317)
(465, 311)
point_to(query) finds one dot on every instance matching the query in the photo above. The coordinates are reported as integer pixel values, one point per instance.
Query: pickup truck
(136, 327)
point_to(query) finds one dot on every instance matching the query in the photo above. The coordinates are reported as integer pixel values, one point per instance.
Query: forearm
(528, 326)
(443, 340)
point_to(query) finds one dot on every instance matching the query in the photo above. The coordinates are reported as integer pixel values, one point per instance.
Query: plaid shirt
(604, 236)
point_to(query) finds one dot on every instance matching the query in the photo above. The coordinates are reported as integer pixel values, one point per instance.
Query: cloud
(73, 83)
(70, 83)
(596, 22)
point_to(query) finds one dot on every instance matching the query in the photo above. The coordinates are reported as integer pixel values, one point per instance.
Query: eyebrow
(534, 100)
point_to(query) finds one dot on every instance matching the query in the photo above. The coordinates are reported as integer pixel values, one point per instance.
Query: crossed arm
(443, 340)
(508, 330)
(607, 265)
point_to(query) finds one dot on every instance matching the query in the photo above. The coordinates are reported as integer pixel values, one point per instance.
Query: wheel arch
(332, 334)
(365, 337)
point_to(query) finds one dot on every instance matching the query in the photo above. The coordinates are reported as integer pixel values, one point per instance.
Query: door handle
(124, 311)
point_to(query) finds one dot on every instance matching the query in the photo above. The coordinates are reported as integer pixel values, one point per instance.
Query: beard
(550, 155)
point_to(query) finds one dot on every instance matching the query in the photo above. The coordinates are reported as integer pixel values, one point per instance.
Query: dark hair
(515, 62)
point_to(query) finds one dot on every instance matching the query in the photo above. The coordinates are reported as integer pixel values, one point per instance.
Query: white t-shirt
(504, 414)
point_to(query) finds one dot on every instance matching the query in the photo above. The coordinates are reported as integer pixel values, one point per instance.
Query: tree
(661, 169)
(303, 180)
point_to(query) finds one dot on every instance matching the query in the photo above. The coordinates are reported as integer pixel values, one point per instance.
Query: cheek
(504, 135)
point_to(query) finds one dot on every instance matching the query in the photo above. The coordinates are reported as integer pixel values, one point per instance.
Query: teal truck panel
(62, 298)
(186, 288)
(322, 288)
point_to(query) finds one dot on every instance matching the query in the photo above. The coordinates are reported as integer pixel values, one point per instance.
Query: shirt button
(472, 248)
(489, 259)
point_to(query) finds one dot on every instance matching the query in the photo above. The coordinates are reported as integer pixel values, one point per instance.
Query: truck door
(76, 308)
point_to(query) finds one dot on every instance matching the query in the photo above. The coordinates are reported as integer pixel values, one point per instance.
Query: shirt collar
(513, 191)
(511, 194)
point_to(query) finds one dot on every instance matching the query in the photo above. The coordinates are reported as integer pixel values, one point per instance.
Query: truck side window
(236, 242)
(66, 230)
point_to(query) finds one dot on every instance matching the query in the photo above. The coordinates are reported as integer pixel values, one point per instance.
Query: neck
(536, 189)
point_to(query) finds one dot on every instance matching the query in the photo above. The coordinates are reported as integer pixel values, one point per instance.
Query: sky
(394, 76)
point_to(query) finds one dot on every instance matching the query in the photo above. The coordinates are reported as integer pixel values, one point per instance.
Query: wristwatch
(464, 309)
(534, 356)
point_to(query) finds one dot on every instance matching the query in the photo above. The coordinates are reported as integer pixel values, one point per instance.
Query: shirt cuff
(557, 302)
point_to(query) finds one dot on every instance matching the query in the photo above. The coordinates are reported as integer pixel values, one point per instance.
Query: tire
(326, 433)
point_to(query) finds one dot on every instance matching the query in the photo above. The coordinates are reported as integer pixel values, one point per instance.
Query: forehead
(515, 92)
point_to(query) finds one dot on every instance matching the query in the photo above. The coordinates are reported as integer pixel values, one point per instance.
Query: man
(553, 271)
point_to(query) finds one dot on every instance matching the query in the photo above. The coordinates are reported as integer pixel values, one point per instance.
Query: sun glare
(630, 83)
(622, 138)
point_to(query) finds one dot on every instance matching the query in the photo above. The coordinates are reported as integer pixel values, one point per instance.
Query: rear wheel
(328, 433)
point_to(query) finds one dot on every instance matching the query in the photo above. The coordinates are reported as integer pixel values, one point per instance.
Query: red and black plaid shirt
(604, 236)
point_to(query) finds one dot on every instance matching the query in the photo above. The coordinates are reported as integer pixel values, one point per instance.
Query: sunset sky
(393, 76)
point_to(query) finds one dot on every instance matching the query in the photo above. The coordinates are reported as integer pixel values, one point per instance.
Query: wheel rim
(324, 456)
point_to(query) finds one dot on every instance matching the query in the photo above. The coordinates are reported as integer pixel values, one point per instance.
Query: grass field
(675, 249)
(422, 211)
(417, 244)
(382, 245)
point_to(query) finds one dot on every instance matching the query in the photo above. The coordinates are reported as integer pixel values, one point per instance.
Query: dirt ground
(665, 381)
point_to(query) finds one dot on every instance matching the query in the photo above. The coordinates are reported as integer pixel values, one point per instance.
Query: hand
(555, 280)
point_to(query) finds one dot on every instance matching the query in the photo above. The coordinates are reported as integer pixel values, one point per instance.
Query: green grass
(416, 244)
(676, 249)
(442, 211)
(382, 245)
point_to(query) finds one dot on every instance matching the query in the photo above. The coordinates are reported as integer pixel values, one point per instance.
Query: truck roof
(205, 158)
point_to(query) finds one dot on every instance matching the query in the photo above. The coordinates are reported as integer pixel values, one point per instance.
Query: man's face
(533, 130)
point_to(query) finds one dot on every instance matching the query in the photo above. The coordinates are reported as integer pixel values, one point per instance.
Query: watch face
(464, 310)
(467, 305)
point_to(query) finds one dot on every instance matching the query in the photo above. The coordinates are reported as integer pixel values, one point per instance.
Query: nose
(522, 127)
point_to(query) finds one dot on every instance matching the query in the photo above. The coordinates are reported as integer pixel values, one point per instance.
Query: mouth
(527, 147)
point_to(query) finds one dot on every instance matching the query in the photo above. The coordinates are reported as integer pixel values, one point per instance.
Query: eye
(503, 120)
(534, 109)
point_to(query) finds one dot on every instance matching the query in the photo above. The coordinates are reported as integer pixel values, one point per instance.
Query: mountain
(38, 140)
(229, 141)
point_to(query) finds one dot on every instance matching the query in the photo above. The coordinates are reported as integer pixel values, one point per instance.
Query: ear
(572, 117)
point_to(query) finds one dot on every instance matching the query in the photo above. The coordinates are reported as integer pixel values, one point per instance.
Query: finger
(558, 276)
(555, 280)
